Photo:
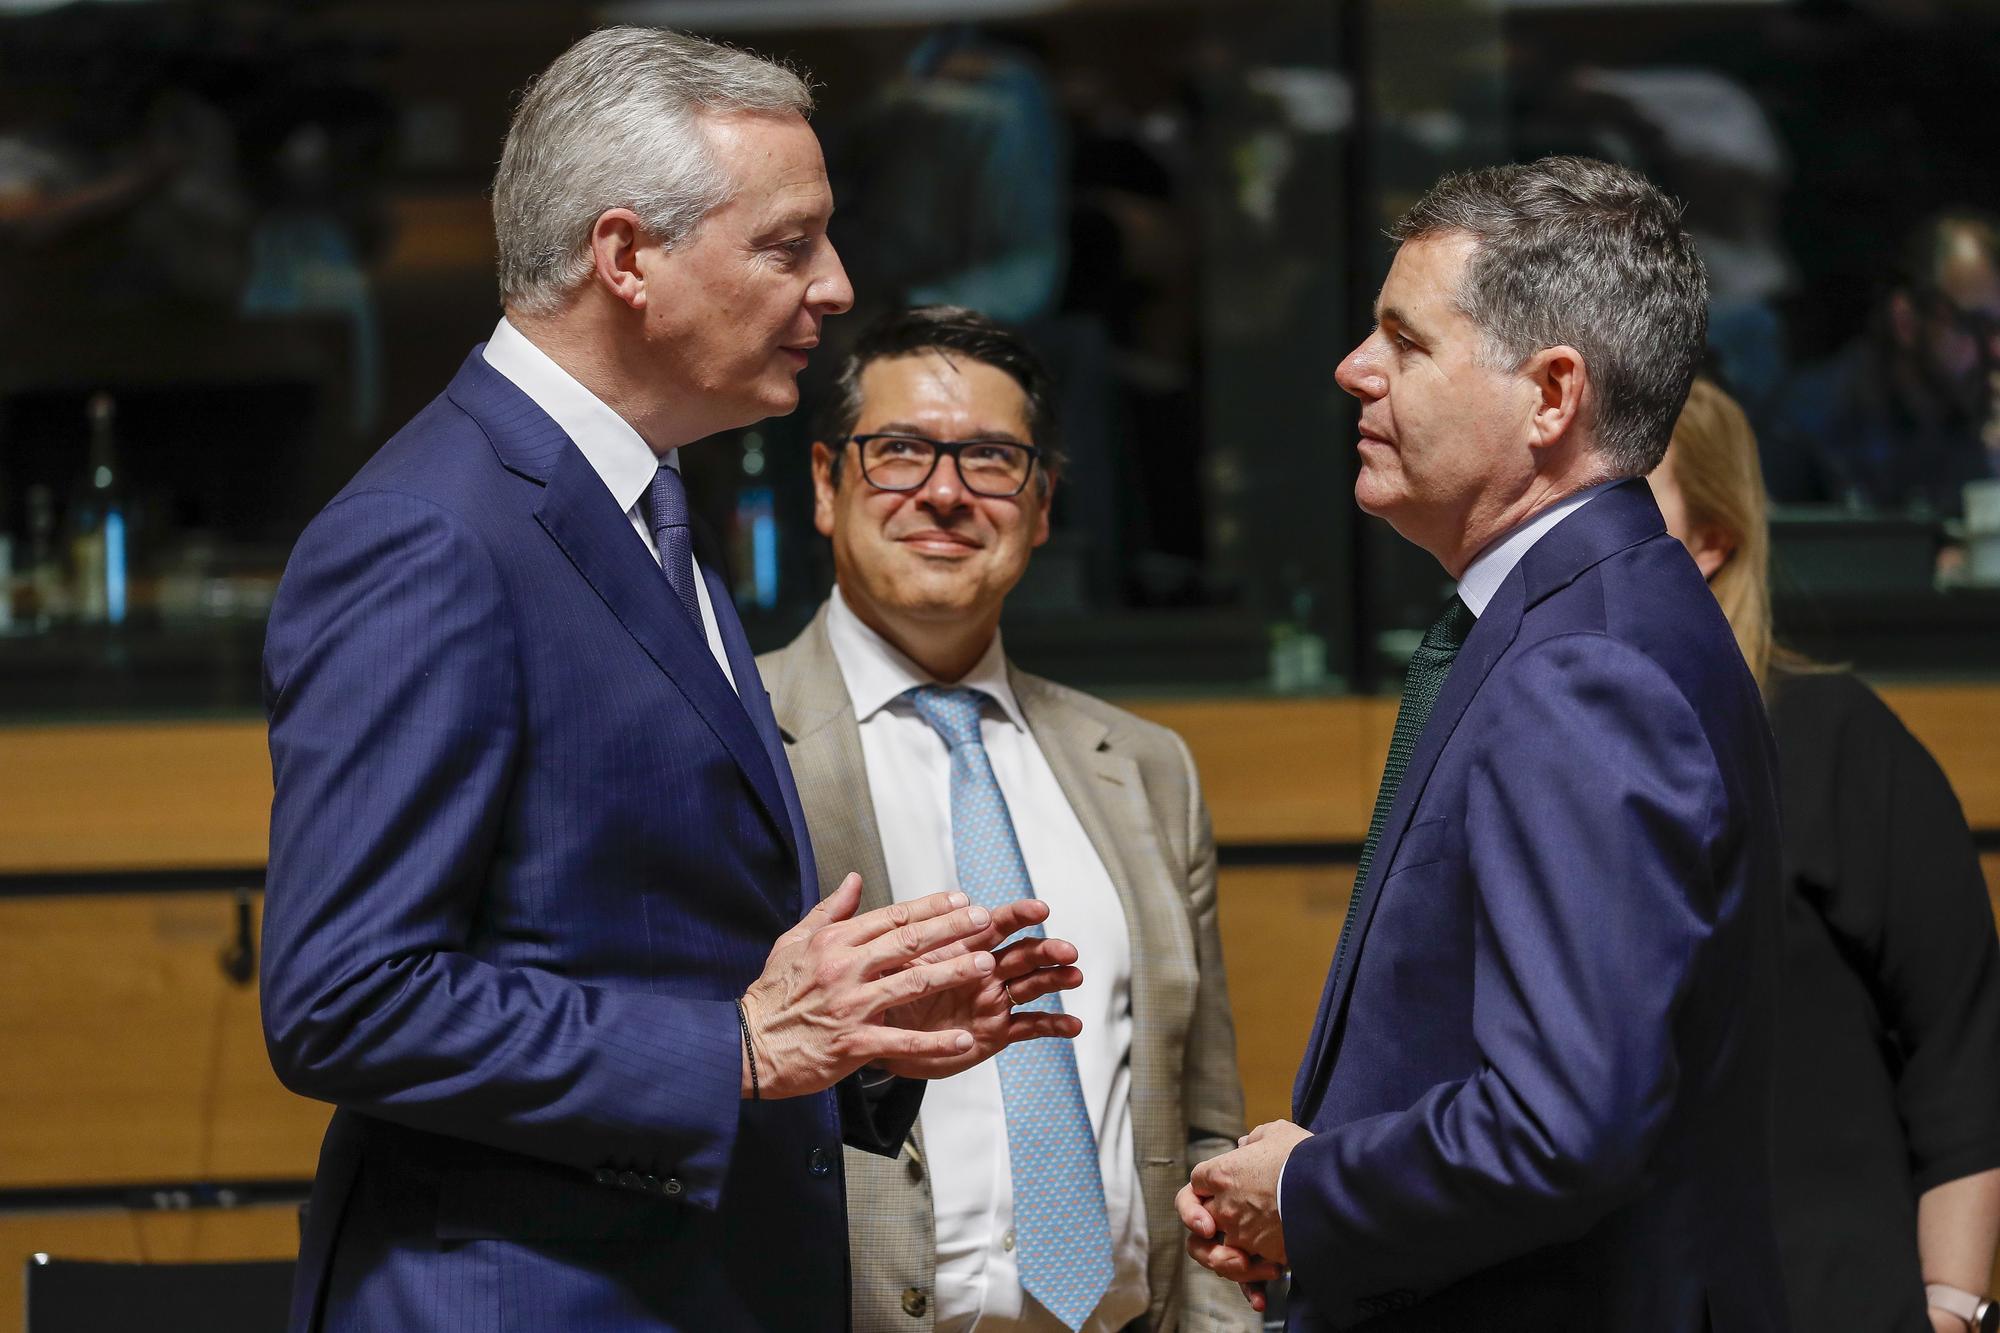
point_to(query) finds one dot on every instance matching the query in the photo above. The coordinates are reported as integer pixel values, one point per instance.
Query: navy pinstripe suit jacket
(527, 845)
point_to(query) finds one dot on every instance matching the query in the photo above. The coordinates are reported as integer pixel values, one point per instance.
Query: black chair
(77, 1296)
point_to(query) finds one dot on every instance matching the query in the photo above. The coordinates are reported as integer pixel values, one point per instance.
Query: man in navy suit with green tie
(1537, 1093)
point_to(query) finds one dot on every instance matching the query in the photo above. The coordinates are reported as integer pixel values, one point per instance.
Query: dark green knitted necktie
(1429, 666)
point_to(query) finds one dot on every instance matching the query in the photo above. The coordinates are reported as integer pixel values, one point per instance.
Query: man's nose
(830, 292)
(946, 488)
(1359, 375)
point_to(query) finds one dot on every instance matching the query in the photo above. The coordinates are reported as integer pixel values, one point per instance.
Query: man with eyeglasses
(1036, 1193)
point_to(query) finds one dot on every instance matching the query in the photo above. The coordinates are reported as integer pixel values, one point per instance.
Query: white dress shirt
(964, 1125)
(1496, 560)
(614, 450)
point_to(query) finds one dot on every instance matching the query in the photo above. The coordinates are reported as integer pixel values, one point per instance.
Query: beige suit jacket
(1134, 789)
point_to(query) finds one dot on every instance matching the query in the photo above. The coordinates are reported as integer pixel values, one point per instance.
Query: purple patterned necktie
(670, 531)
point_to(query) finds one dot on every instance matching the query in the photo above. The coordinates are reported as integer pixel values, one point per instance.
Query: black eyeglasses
(996, 469)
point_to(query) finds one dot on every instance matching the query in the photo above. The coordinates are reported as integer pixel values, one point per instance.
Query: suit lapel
(756, 701)
(585, 522)
(1619, 518)
(1106, 791)
(815, 719)
(579, 514)
(1491, 636)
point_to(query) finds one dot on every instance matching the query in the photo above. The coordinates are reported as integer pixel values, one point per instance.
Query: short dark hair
(948, 330)
(1593, 256)
(1921, 258)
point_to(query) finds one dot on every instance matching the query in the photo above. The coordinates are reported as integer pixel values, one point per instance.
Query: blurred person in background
(1888, 1112)
(1905, 415)
(1037, 1191)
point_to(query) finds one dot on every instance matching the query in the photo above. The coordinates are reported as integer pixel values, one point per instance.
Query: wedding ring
(1012, 1003)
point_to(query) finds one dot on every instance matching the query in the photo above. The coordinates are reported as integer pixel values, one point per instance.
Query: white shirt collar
(1490, 568)
(615, 450)
(877, 673)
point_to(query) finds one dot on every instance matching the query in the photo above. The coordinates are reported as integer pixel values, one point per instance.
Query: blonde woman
(1888, 1115)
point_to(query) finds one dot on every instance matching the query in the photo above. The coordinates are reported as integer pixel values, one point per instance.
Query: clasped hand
(1230, 1208)
(921, 989)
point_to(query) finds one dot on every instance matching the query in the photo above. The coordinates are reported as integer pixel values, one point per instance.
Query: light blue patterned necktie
(1062, 1232)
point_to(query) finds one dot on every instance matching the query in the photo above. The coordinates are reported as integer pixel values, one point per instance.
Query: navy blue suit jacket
(527, 846)
(1539, 1082)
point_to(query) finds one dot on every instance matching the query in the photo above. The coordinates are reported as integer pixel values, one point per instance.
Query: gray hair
(1592, 256)
(616, 122)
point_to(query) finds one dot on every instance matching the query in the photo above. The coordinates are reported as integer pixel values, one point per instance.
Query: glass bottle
(98, 553)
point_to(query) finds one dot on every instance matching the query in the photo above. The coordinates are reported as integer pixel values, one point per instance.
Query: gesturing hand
(1230, 1208)
(1026, 970)
(814, 1014)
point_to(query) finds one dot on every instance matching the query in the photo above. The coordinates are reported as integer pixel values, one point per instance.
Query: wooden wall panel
(134, 797)
(1279, 927)
(126, 1055)
(121, 1236)
(1960, 726)
(1306, 770)
(1285, 770)
(162, 796)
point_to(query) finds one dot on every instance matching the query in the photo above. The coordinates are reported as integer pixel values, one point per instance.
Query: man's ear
(1560, 380)
(616, 239)
(1711, 548)
(1046, 487)
(824, 488)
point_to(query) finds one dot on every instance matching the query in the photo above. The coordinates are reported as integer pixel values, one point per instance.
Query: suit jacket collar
(815, 717)
(1615, 520)
(1612, 521)
(524, 437)
(583, 519)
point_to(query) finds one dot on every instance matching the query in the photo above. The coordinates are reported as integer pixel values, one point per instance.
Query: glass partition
(240, 244)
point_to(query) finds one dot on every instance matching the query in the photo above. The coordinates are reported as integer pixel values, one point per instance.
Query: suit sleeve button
(670, 1187)
(631, 1180)
(818, 1163)
(915, 1302)
(604, 1175)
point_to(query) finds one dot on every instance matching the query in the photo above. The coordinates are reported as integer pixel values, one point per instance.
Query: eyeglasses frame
(940, 448)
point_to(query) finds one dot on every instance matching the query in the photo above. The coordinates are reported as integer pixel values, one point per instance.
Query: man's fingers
(886, 920)
(836, 906)
(1019, 915)
(1033, 1027)
(927, 937)
(1203, 1177)
(922, 979)
(1196, 1218)
(1043, 981)
(892, 1044)
(1230, 1262)
(1254, 1293)
(1017, 959)
(1024, 956)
